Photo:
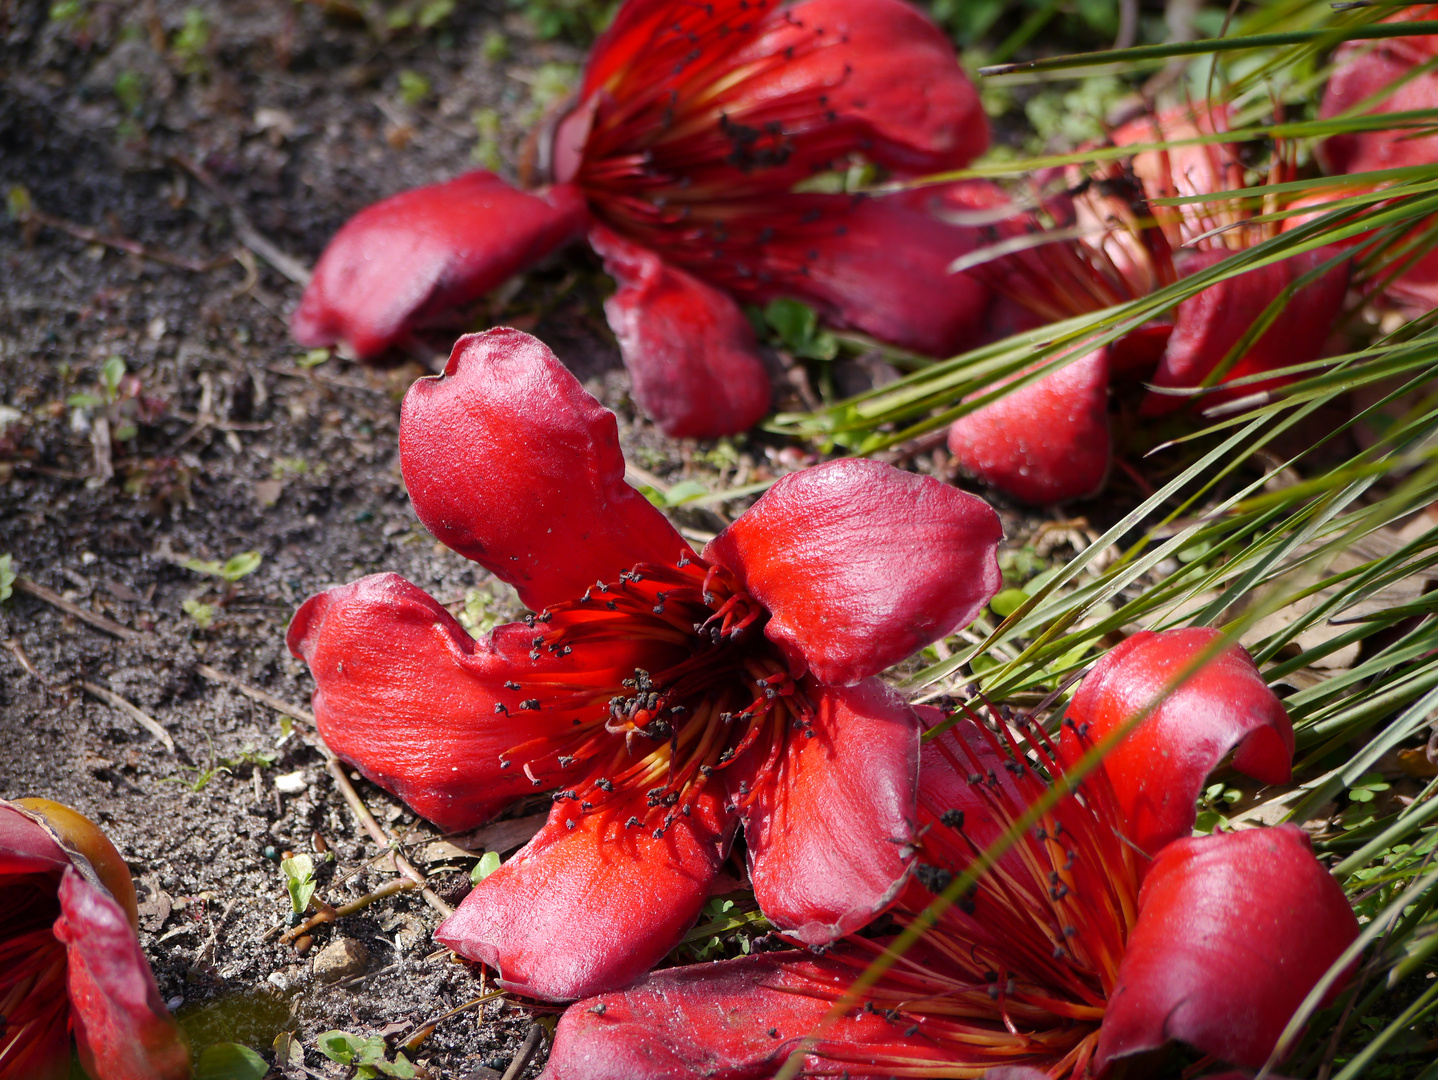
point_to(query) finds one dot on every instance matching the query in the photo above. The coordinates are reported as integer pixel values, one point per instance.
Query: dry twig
(144, 719)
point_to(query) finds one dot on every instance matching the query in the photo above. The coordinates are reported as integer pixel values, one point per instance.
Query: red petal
(511, 463)
(421, 251)
(1158, 770)
(828, 832)
(880, 64)
(1208, 325)
(122, 1029)
(1233, 932)
(690, 351)
(859, 564)
(1365, 69)
(25, 847)
(813, 83)
(733, 1020)
(591, 907)
(1046, 443)
(877, 265)
(407, 696)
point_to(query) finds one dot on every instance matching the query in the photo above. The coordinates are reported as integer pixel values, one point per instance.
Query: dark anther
(967, 905)
(569, 823)
(743, 787)
(604, 785)
(670, 799)
(529, 619)
(911, 1031)
(537, 642)
(1059, 893)
(659, 834)
(954, 819)
(532, 704)
(1060, 953)
(1070, 931)
(726, 757)
(586, 806)
(565, 761)
(534, 654)
(597, 1010)
(503, 764)
(548, 615)
(686, 811)
(706, 770)
(684, 560)
(934, 878)
(773, 1033)
(1040, 832)
(511, 685)
(631, 822)
(499, 707)
(560, 796)
(726, 718)
(678, 710)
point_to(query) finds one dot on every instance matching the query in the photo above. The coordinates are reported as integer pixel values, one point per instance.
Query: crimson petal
(590, 905)
(690, 351)
(828, 830)
(859, 564)
(1209, 324)
(25, 847)
(732, 1020)
(421, 251)
(511, 463)
(407, 696)
(122, 1029)
(1160, 767)
(1233, 932)
(877, 265)
(1045, 443)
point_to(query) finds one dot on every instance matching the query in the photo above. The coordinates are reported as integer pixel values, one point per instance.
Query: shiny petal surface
(859, 564)
(733, 1020)
(877, 265)
(829, 829)
(25, 847)
(1208, 325)
(421, 251)
(754, 96)
(403, 693)
(122, 1029)
(511, 463)
(1158, 770)
(1233, 932)
(1045, 443)
(588, 905)
(691, 354)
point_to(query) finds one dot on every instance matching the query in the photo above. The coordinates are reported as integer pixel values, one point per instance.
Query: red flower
(1049, 442)
(693, 125)
(1075, 950)
(1384, 70)
(69, 960)
(669, 697)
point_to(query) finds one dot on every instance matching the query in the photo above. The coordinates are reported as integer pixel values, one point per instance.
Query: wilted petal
(1233, 932)
(511, 463)
(122, 1029)
(82, 841)
(1209, 324)
(734, 1020)
(860, 564)
(25, 847)
(828, 831)
(403, 693)
(421, 251)
(691, 354)
(1160, 767)
(589, 905)
(1045, 443)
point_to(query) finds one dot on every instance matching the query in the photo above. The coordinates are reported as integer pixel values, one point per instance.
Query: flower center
(667, 680)
(1020, 969)
(34, 1003)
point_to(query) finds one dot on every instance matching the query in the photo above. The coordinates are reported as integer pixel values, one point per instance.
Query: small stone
(291, 783)
(342, 958)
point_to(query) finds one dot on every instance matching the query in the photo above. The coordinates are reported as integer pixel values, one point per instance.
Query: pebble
(291, 783)
(342, 958)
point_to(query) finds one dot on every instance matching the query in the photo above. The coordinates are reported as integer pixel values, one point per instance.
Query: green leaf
(313, 358)
(413, 87)
(340, 1046)
(200, 611)
(434, 13)
(230, 1061)
(684, 491)
(488, 864)
(7, 577)
(400, 1067)
(299, 880)
(1007, 602)
(243, 564)
(110, 376)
